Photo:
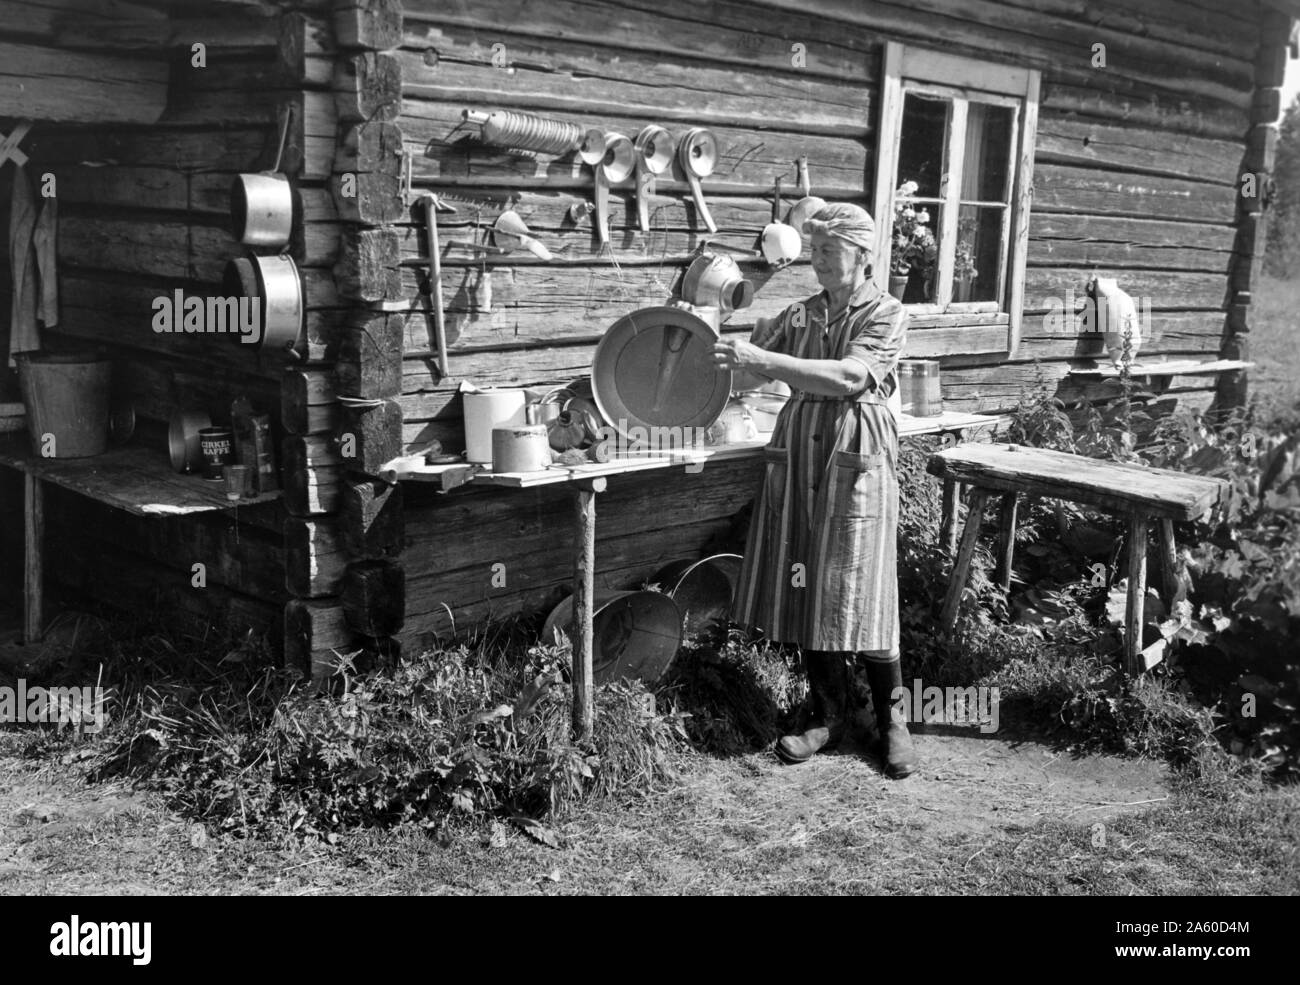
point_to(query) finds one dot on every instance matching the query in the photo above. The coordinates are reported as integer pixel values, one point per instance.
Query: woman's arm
(831, 377)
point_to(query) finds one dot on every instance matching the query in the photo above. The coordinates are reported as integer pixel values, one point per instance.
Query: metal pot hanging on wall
(261, 205)
(274, 283)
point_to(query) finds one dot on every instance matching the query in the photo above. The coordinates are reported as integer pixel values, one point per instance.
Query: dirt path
(746, 824)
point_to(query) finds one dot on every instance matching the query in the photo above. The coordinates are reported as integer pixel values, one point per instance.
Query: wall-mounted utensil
(615, 167)
(511, 233)
(431, 208)
(654, 154)
(183, 438)
(697, 154)
(781, 244)
(809, 205)
(715, 281)
(528, 131)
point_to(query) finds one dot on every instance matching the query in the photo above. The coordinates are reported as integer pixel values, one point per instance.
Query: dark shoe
(895, 745)
(828, 684)
(896, 749)
(801, 748)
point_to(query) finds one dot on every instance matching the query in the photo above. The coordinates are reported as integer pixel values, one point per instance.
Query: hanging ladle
(616, 166)
(697, 153)
(654, 153)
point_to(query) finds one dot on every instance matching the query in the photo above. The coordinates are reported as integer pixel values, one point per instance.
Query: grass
(1274, 336)
(736, 826)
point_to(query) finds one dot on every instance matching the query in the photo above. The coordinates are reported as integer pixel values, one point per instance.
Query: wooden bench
(1136, 492)
(135, 478)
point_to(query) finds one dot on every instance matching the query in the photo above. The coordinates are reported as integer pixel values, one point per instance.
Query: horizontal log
(1046, 287)
(539, 304)
(1109, 241)
(371, 436)
(1057, 45)
(375, 24)
(313, 630)
(1079, 190)
(369, 179)
(58, 86)
(1093, 143)
(373, 597)
(725, 33)
(306, 49)
(1159, 110)
(314, 557)
(308, 404)
(371, 518)
(748, 161)
(244, 553)
(370, 355)
(561, 78)
(367, 86)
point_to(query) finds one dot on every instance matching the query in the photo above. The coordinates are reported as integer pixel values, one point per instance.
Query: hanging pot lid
(654, 368)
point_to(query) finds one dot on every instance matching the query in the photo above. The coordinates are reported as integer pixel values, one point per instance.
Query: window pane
(914, 250)
(977, 265)
(920, 151)
(988, 152)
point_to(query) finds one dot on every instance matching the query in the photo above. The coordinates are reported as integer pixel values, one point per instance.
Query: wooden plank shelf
(1172, 367)
(135, 478)
(412, 467)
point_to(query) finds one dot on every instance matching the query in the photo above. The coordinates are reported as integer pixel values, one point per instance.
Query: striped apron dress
(820, 566)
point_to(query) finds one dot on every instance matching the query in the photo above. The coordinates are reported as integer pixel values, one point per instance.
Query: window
(953, 177)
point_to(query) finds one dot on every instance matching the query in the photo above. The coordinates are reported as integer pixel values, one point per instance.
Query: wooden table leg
(1168, 563)
(34, 563)
(961, 566)
(1137, 590)
(1006, 540)
(584, 593)
(951, 507)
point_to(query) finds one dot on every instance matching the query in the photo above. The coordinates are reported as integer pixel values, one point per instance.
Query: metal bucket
(67, 400)
(634, 634)
(703, 591)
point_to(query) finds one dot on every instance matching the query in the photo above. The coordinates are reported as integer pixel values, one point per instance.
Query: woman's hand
(737, 354)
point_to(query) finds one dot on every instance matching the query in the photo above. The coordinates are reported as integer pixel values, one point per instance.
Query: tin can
(217, 446)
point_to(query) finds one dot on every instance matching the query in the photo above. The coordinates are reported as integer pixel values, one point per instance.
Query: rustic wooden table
(1137, 492)
(134, 478)
(588, 480)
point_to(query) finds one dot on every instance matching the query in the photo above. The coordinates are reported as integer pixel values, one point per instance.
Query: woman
(820, 565)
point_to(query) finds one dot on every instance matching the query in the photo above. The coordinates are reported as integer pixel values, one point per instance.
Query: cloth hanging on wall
(33, 258)
(24, 334)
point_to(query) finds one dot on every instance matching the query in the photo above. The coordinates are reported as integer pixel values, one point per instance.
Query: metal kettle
(578, 423)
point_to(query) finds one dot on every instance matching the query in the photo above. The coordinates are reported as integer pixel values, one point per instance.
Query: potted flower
(912, 244)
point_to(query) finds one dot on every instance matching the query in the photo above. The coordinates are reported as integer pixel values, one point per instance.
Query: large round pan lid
(654, 369)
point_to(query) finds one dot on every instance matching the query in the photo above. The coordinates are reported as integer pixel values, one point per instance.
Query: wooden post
(1006, 539)
(34, 566)
(961, 567)
(584, 593)
(1137, 589)
(1169, 562)
(951, 511)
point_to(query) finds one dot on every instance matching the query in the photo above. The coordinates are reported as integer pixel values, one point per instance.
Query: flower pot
(898, 285)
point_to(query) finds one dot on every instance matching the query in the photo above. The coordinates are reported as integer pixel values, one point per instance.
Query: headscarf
(850, 223)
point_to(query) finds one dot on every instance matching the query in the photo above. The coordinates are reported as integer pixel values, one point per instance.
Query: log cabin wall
(1137, 166)
(143, 178)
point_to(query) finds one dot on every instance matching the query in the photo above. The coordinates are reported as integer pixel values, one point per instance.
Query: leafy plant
(912, 242)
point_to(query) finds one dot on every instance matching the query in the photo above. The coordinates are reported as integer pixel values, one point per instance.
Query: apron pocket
(858, 484)
(776, 474)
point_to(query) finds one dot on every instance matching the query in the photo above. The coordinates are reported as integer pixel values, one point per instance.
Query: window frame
(988, 327)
